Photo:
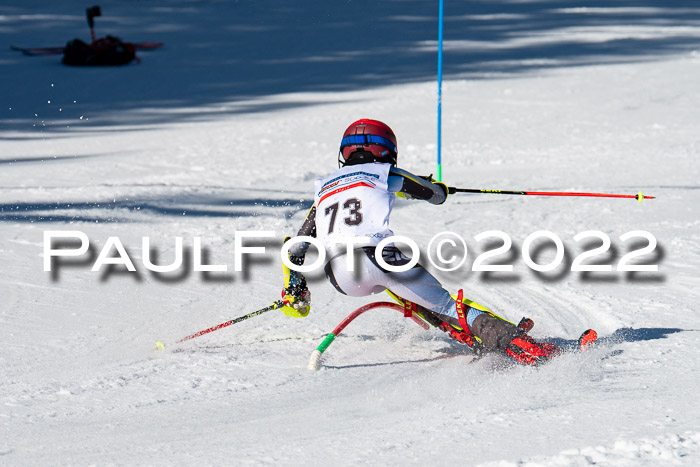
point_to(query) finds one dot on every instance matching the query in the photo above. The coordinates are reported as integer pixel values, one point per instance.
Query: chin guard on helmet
(362, 157)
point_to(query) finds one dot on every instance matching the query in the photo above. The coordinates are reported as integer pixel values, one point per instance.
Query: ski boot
(525, 350)
(497, 334)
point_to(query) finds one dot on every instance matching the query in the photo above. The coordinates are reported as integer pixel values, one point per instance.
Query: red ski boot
(526, 351)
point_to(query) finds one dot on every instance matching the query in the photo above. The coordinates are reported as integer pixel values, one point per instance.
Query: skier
(356, 202)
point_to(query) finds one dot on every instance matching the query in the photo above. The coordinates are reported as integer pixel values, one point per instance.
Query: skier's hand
(297, 303)
(435, 182)
(295, 295)
(444, 188)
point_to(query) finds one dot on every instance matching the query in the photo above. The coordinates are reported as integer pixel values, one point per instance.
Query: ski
(45, 51)
(587, 339)
(529, 351)
(38, 50)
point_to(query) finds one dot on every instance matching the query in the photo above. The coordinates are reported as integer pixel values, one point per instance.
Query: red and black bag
(108, 51)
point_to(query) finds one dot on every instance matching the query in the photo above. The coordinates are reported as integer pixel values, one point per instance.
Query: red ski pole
(274, 306)
(639, 196)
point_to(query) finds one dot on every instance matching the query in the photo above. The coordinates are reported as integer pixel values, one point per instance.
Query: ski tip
(160, 347)
(587, 339)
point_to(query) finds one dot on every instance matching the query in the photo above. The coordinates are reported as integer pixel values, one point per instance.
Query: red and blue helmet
(367, 141)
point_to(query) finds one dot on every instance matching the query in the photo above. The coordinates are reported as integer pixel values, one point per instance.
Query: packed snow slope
(225, 128)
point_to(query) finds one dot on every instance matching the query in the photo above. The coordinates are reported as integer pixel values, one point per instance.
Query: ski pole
(639, 196)
(274, 306)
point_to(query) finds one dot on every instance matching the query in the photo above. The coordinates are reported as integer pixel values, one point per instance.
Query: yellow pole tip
(159, 346)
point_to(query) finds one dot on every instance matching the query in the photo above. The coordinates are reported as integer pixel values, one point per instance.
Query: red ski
(44, 51)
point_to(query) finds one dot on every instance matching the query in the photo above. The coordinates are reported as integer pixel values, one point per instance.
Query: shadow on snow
(619, 336)
(128, 211)
(235, 57)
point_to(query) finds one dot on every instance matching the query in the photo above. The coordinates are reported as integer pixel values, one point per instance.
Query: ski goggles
(352, 140)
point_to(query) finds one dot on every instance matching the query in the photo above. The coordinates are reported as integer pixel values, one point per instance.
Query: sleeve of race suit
(415, 187)
(297, 252)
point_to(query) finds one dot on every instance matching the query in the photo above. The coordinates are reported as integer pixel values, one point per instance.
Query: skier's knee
(494, 333)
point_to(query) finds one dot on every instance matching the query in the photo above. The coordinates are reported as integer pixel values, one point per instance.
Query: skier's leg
(493, 332)
(419, 286)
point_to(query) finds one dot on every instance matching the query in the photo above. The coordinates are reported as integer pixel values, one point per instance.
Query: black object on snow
(107, 51)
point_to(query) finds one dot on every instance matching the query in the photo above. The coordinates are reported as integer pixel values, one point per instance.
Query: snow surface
(226, 127)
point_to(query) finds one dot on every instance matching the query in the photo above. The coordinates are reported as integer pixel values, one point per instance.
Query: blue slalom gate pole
(439, 109)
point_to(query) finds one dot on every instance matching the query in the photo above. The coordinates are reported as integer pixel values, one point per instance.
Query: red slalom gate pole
(639, 196)
(274, 306)
(315, 359)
